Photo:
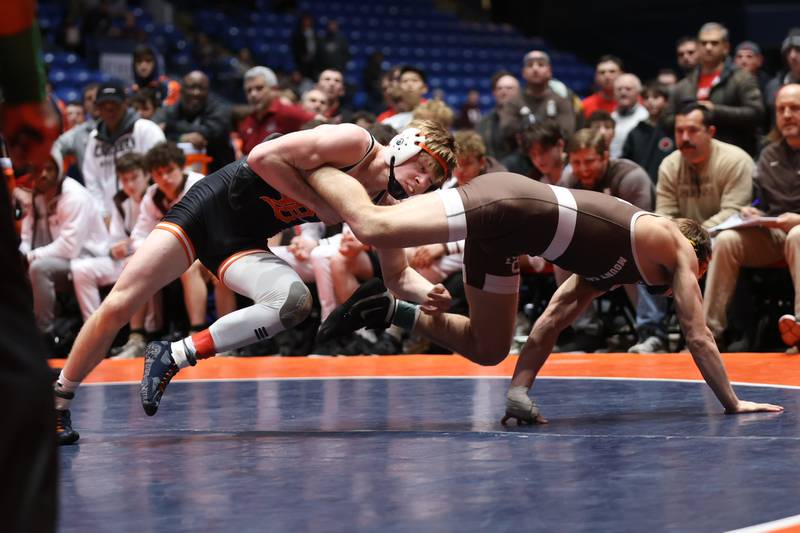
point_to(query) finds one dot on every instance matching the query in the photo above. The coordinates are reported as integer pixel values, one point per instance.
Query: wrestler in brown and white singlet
(503, 215)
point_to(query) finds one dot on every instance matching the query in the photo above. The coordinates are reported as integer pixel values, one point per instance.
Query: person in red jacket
(269, 115)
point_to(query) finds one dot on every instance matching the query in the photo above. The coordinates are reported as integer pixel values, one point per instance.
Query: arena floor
(414, 443)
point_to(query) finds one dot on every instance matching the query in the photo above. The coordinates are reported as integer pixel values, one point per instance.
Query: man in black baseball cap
(111, 91)
(119, 130)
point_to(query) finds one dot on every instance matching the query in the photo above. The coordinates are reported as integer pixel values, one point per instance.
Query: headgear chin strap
(401, 148)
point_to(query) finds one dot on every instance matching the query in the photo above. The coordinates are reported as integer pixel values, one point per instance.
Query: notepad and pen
(737, 221)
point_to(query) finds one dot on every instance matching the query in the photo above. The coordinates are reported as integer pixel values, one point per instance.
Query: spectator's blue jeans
(651, 314)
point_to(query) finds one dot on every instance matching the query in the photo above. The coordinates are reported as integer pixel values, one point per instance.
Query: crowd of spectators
(714, 138)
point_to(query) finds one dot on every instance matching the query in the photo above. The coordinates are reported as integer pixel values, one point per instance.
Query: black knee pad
(297, 305)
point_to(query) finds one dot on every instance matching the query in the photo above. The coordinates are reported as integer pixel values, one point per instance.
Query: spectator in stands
(748, 57)
(243, 62)
(538, 100)
(332, 48)
(331, 82)
(390, 88)
(544, 144)
(649, 143)
(593, 169)
(730, 94)
(472, 158)
(500, 139)
(315, 101)
(69, 36)
(304, 46)
(270, 115)
(98, 20)
(165, 162)
(603, 122)
(201, 119)
(413, 87)
(607, 70)
(687, 54)
(705, 179)
(435, 110)
(72, 143)
(146, 76)
(119, 131)
(667, 78)
(470, 112)
(371, 81)
(145, 103)
(63, 224)
(74, 115)
(790, 50)
(629, 111)
(90, 274)
(365, 119)
(776, 195)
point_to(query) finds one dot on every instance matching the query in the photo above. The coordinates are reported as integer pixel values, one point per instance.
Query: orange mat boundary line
(766, 368)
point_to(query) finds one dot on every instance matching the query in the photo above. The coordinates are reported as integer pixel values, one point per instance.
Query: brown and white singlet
(503, 215)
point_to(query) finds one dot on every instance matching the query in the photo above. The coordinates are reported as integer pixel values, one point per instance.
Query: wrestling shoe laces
(159, 369)
(64, 432)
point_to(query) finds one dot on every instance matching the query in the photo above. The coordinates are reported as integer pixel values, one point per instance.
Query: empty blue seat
(68, 93)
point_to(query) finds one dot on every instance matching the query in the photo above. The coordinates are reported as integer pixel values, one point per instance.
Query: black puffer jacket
(738, 106)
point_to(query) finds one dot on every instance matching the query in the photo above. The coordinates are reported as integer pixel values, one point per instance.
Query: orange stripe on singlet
(182, 237)
(232, 259)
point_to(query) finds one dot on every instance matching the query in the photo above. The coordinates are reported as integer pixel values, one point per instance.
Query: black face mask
(394, 188)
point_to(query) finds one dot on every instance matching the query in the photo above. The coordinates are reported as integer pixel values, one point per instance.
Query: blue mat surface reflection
(427, 455)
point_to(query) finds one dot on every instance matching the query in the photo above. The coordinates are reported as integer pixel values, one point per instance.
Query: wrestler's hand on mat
(437, 301)
(753, 407)
(519, 406)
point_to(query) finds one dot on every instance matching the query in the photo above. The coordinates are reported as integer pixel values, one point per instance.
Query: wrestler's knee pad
(297, 305)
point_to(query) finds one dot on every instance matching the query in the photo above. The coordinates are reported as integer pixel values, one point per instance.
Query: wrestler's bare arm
(689, 308)
(412, 222)
(569, 300)
(345, 194)
(408, 284)
(285, 162)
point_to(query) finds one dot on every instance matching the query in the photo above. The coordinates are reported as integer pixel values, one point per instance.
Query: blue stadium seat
(58, 76)
(68, 93)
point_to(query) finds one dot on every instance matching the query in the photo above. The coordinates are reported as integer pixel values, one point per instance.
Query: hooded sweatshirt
(134, 134)
(75, 226)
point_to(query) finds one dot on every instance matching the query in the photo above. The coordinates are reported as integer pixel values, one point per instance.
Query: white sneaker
(132, 349)
(651, 344)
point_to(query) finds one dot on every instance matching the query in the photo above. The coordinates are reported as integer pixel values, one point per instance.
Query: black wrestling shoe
(64, 432)
(371, 306)
(159, 369)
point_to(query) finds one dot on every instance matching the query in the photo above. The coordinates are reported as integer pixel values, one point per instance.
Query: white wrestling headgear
(404, 146)
(400, 149)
